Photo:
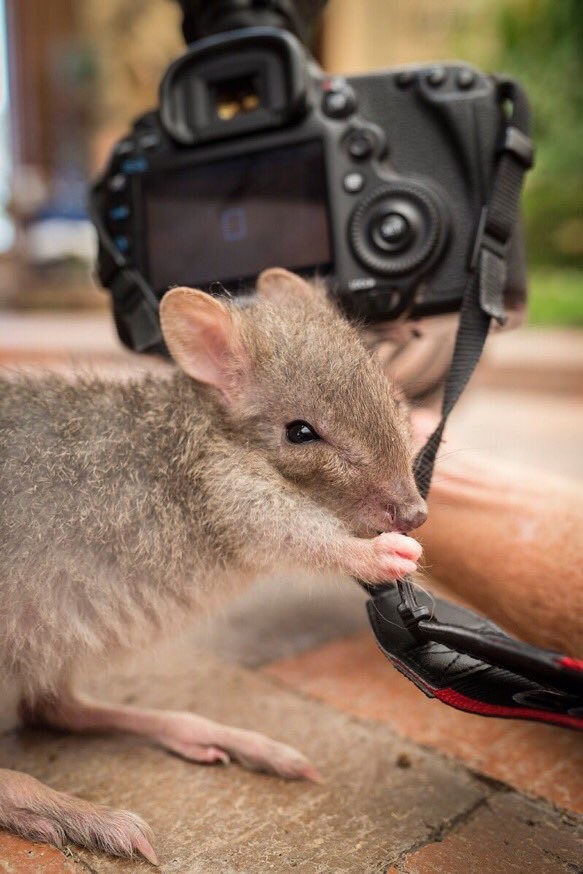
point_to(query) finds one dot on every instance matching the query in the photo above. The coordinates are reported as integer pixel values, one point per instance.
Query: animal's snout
(408, 517)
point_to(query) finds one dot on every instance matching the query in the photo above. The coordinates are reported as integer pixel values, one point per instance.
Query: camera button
(384, 301)
(117, 182)
(360, 144)
(338, 103)
(149, 141)
(405, 78)
(390, 231)
(134, 165)
(119, 213)
(436, 76)
(465, 79)
(353, 182)
(123, 244)
(124, 147)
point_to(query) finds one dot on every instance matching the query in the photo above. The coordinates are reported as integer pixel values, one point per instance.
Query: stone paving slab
(353, 676)
(504, 834)
(383, 794)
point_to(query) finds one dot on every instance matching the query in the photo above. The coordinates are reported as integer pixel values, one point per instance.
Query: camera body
(256, 158)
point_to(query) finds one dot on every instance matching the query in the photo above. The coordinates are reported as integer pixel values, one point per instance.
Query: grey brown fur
(128, 507)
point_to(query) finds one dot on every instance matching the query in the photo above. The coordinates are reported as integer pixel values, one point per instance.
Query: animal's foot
(259, 753)
(193, 751)
(38, 813)
(202, 740)
(389, 556)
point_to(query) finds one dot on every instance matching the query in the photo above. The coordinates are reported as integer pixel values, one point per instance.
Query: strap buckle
(519, 146)
(410, 611)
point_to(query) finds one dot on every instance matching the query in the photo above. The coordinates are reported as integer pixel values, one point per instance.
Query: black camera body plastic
(256, 158)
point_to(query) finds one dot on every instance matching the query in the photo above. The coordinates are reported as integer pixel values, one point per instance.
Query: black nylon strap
(484, 294)
(473, 327)
(483, 297)
(472, 331)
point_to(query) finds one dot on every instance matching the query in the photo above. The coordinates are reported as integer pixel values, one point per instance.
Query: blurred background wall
(75, 72)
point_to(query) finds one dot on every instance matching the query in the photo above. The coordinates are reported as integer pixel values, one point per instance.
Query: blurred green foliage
(541, 43)
(555, 296)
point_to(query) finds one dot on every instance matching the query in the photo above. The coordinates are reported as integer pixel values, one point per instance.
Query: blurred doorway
(49, 72)
(6, 225)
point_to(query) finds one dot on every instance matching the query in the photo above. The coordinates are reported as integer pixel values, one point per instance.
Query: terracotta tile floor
(352, 675)
(22, 857)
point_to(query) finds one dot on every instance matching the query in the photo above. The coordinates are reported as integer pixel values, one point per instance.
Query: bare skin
(507, 541)
(185, 734)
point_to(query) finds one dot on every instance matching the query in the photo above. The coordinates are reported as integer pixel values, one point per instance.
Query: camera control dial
(396, 229)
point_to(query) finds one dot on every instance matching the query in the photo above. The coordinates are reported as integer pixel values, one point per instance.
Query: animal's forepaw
(389, 556)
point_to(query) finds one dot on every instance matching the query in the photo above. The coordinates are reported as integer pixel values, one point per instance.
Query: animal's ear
(204, 338)
(279, 285)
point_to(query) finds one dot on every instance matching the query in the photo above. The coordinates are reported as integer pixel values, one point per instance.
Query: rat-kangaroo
(126, 508)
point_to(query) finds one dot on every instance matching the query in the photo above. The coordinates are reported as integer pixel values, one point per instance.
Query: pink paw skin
(195, 752)
(260, 753)
(201, 740)
(389, 556)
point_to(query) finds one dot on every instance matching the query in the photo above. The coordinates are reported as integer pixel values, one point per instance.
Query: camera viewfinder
(235, 97)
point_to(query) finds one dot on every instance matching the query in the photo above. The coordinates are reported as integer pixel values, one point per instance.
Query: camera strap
(450, 652)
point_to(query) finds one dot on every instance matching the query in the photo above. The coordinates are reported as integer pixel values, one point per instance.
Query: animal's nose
(408, 517)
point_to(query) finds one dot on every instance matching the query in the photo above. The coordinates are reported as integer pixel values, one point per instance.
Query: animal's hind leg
(186, 734)
(39, 813)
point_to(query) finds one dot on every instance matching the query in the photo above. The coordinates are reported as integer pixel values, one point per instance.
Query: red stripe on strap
(574, 664)
(462, 702)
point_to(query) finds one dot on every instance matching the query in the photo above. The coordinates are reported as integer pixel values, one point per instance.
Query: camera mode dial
(396, 229)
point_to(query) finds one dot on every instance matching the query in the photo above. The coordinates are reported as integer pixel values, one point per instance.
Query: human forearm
(508, 542)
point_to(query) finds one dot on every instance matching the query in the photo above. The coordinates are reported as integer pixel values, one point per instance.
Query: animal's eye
(301, 432)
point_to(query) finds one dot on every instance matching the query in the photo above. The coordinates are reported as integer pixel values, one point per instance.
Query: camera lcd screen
(230, 219)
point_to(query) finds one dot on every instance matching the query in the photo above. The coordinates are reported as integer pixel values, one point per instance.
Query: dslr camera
(255, 157)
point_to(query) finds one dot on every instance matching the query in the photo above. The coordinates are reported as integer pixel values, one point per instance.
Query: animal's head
(298, 386)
